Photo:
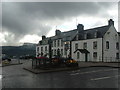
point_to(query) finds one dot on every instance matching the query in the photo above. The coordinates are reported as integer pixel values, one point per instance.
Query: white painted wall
(44, 51)
(113, 38)
(89, 48)
(60, 47)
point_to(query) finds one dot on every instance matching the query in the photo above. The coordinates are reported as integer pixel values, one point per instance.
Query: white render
(108, 54)
(112, 36)
(89, 48)
(44, 51)
(101, 53)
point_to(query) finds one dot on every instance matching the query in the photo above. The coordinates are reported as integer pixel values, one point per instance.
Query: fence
(109, 59)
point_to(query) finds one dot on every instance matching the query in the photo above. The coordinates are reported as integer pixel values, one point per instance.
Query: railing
(109, 59)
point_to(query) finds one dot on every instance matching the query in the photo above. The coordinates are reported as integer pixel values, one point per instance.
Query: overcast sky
(28, 21)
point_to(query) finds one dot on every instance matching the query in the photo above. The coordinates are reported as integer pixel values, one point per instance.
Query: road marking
(74, 74)
(94, 79)
(76, 71)
(93, 71)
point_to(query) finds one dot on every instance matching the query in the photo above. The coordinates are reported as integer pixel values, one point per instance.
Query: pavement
(12, 62)
(81, 65)
(102, 64)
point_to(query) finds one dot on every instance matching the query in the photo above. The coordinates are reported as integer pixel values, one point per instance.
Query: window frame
(78, 55)
(85, 45)
(95, 45)
(107, 45)
(76, 46)
(95, 55)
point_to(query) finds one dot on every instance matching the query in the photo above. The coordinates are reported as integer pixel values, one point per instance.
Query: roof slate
(91, 32)
(71, 35)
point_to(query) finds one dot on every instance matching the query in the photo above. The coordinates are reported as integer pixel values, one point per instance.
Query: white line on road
(104, 77)
(93, 71)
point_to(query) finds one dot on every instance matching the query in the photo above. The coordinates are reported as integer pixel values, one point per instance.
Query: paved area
(12, 62)
(81, 65)
(92, 77)
(107, 64)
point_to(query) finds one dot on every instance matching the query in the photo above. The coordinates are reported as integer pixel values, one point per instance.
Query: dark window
(95, 45)
(61, 43)
(61, 51)
(85, 45)
(76, 46)
(58, 43)
(107, 44)
(117, 45)
(52, 44)
(46, 48)
(38, 49)
(55, 52)
(78, 55)
(55, 43)
(65, 52)
(117, 55)
(41, 49)
(52, 52)
(95, 54)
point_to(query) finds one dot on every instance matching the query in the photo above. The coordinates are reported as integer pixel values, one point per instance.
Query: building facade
(96, 44)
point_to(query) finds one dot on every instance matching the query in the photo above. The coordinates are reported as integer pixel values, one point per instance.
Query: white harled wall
(89, 48)
(112, 36)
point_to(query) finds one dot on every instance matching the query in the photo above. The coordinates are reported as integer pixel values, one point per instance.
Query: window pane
(95, 45)
(85, 45)
(78, 55)
(117, 55)
(95, 54)
(117, 45)
(41, 49)
(76, 46)
(107, 44)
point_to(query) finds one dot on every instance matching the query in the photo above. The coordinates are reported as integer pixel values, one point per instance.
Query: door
(86, 57)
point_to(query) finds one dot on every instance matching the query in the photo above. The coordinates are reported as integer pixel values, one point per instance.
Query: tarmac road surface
(92, 77)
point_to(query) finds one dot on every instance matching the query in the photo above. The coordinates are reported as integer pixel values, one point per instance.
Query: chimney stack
(110, 22)
(80, 27)
(57, 32)
(43, 37)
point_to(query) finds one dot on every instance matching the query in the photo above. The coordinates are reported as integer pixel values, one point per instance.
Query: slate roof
(65, 36)
(71, 35)
(91, 32)
(82, 51)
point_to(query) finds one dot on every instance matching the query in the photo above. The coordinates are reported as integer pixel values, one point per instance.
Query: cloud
(29, 18)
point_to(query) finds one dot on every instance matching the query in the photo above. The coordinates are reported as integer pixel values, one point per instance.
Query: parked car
(71, 63)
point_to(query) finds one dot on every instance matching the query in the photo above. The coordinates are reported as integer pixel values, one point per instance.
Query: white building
(96, 44)
(60, 43)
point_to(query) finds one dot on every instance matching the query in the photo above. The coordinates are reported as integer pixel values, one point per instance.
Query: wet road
(93, 77)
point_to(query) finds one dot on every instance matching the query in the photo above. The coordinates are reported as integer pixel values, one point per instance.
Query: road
(92, 77)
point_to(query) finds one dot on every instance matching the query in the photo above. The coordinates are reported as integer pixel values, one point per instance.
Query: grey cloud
(23, 18)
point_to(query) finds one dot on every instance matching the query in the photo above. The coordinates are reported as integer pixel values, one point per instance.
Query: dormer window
(95, 35)
(77, 37)
(85, 36)
(108, 32)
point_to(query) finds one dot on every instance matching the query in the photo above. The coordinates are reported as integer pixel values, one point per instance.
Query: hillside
(18, 51)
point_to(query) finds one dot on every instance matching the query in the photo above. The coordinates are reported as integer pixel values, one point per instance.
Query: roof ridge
(97, 27)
